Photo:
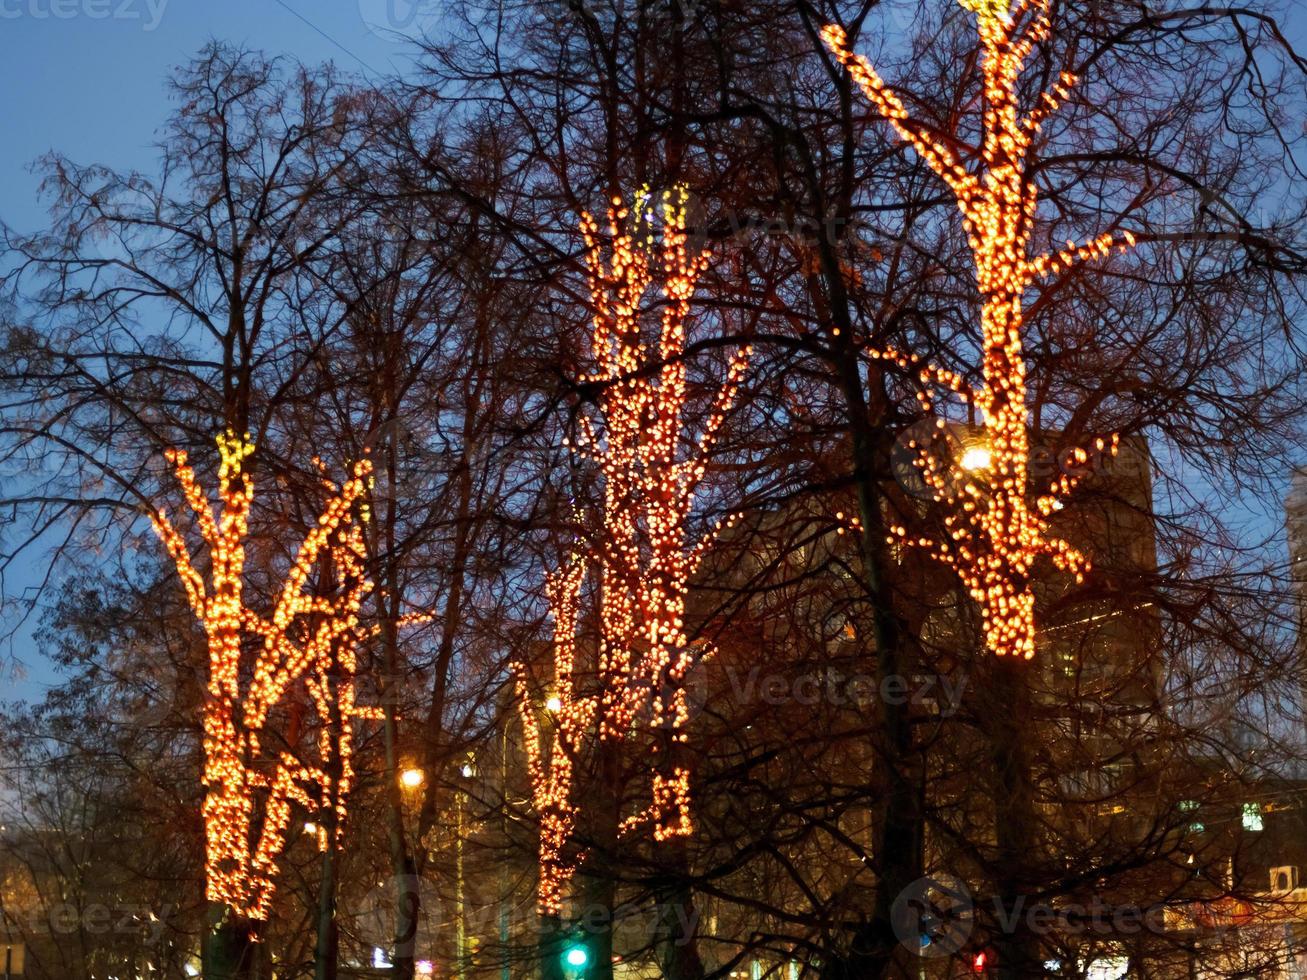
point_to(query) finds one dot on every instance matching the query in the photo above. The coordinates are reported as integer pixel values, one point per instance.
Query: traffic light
(575, 958)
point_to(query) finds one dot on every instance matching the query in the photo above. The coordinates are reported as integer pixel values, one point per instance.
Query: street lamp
(411, 778)
(976, 458)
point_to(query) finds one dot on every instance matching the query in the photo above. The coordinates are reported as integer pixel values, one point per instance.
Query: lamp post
(460, 902)
(408, 902)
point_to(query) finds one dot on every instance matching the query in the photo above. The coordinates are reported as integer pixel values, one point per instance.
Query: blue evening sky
(86, 77)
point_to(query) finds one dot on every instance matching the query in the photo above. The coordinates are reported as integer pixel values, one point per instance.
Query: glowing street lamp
(411, 778)
(976, 458)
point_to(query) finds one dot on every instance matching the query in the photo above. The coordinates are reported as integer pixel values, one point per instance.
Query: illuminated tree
(652, 463)
(251, 783)
(552, 768)
(996, 528)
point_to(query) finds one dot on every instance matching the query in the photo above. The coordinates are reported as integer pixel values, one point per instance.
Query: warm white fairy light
(995, 532)
(651, 465)
(250, 789)
(551, 767)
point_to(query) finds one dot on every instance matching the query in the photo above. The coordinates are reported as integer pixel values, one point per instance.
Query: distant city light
(1252, 816)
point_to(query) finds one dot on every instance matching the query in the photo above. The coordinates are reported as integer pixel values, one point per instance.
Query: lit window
(1252, 816)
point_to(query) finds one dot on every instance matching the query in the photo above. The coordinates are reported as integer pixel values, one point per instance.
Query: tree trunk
(678, 934)
(600, 886)
(550, 948)
(876, 950)
(327, 950)
(403, 870)
(1017, 948)
(230, 946)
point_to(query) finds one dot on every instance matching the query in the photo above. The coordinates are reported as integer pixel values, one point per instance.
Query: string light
(552, 773)
(650, 481)
(651, 465)
(249, 792)
(993, 532)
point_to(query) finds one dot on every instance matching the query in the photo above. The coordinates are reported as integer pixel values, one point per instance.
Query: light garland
(650, 481)
(994, 533)
(552, 773)
(645, 559)
(248, 792)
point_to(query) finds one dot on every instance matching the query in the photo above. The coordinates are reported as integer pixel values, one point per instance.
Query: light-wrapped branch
(551, 767)
(995, 523)
(652, 465)
(248, 793)
(651, 461)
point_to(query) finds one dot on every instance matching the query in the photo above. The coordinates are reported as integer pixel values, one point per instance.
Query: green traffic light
(576, 957)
